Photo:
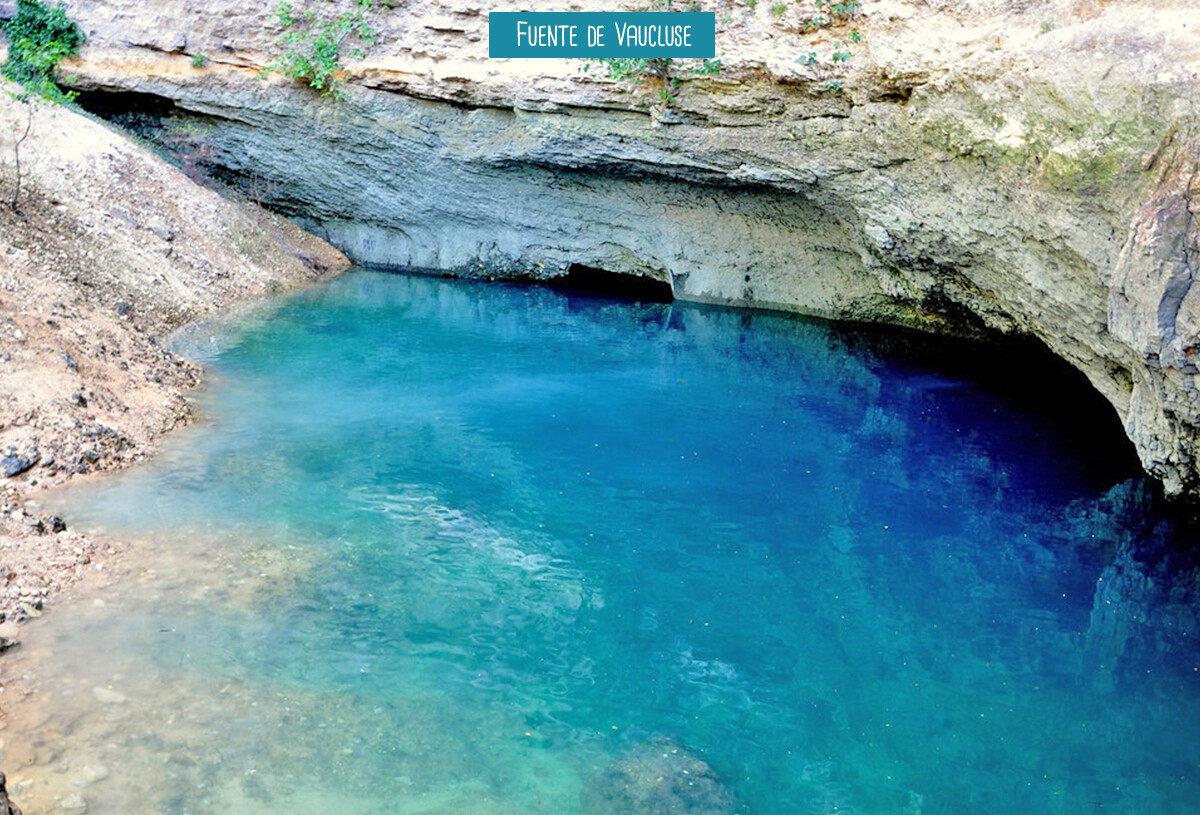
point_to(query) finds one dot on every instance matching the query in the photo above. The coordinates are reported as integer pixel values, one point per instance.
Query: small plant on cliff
(665, 70)
(831, 11)
(315, 42)
(840, 55)
(841, 49)
(825, 13)
(39, 37)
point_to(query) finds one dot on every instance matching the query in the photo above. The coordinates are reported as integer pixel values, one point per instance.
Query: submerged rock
(74, 803)
(658, 778)
(106, 696)
(90, 774)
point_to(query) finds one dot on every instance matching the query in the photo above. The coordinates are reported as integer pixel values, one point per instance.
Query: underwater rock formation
(657, 777)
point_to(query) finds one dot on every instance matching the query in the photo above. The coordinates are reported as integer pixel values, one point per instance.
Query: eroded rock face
(1154, 309)
(984, 166)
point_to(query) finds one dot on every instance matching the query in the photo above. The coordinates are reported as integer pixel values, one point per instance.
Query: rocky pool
(449, 547)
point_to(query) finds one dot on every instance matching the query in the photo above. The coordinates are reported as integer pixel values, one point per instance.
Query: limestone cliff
(994, 165)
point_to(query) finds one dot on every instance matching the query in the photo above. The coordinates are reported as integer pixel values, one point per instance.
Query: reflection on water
(451, 548)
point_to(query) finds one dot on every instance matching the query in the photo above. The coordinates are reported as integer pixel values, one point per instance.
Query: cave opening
(143, 113)
(591, 280)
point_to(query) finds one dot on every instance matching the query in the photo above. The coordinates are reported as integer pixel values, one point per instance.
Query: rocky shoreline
(109, 248)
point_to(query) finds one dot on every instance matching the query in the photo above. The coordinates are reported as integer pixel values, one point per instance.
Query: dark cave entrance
(590, 280)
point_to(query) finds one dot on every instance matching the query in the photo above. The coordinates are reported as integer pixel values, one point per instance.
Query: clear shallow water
(457, 548)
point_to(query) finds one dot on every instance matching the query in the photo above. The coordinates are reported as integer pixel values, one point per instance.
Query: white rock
(95, 772)
(90, 774)
(74, 803)
(107, 696)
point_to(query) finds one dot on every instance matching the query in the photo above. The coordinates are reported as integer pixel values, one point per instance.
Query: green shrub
(635, 69)
(40, 37)
(199, 60)
(314, 43)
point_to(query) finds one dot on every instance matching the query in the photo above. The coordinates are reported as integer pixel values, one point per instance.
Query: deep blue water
(517, 550)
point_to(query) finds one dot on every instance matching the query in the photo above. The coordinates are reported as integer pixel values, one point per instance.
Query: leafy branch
(39, 37)
(314, 44)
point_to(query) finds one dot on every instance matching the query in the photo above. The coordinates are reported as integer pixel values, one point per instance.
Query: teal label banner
(602, 34)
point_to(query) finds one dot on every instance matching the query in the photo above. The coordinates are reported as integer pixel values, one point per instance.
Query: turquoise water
(452, 547)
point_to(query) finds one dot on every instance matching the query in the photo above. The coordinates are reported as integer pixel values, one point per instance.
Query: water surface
(443, 547)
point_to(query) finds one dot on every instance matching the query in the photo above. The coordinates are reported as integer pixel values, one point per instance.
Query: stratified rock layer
(982, 166)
